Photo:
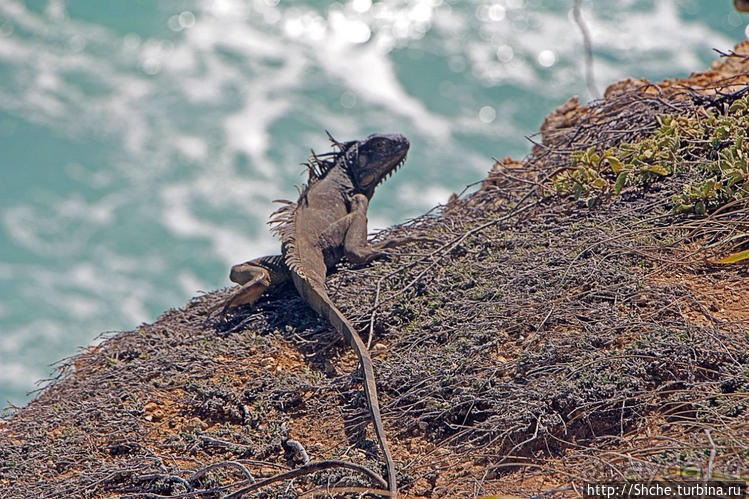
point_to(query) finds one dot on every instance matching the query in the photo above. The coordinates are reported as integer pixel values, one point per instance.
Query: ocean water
(141, 142)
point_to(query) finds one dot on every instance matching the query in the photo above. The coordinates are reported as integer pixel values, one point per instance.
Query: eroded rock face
(625, 86)
(562, 116)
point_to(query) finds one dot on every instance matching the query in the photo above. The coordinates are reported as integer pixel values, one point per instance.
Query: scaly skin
(327, 223)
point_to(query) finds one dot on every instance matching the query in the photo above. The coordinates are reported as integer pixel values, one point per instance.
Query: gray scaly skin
(327, 223)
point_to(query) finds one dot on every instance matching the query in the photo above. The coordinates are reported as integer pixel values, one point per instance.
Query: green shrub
(709, 149)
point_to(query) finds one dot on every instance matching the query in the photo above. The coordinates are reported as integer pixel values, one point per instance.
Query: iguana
(327, 223)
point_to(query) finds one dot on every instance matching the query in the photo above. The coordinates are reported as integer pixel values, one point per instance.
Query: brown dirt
(714, 299)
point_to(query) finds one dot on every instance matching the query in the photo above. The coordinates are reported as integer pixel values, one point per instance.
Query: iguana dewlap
(327, 223)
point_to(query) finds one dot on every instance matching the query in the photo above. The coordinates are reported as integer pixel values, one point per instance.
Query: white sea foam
(65, 230)
(229, 243)
(431, 196)
(17, 376)
(190, 283)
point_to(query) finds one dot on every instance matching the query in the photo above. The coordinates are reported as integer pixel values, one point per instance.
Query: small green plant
(712, 150)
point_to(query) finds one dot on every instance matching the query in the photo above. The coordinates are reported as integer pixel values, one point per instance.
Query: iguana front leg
(352, 231)
(256, 276)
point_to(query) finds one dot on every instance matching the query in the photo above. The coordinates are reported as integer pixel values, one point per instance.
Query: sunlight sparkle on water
(505, 53)
(496, 12)
(186, 19)
(348, 100)
(547, 58)
(487, 114)
(351, 30)
(183, 20)
(361, 6)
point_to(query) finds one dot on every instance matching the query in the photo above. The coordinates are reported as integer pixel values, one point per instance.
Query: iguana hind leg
(255, 276)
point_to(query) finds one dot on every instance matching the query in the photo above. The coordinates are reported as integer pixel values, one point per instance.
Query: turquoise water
(142, 142)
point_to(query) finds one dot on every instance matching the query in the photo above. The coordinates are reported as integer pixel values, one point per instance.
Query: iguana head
(372, 160)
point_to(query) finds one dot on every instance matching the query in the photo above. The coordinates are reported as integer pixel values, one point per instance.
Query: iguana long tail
(317, 297)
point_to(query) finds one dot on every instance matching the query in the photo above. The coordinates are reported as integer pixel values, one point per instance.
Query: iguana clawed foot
(377, 248)
(401, 241)
(254, 280)
(360, 255)
(255, 277)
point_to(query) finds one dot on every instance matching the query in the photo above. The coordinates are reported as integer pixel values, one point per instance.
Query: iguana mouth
(395, 169)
